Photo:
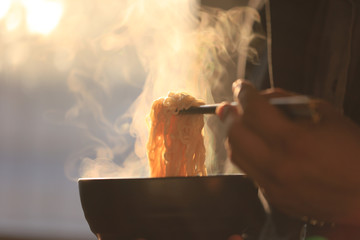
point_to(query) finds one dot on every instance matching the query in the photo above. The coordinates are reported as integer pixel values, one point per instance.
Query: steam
(181, 47)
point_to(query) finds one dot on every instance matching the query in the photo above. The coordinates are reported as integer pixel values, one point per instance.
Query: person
(304, 168)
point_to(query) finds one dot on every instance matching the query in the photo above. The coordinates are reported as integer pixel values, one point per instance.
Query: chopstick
(293, 107)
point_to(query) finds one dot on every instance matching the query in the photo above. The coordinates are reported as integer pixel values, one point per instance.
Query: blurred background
(43, 44)
(67, 82)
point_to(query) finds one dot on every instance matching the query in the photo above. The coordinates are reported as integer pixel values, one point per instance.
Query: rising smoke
(181, 47)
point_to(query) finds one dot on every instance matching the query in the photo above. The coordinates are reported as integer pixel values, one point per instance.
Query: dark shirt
(316, 50)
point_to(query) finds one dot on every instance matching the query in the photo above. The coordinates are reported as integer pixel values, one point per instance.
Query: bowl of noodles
(211, 207)
(179, 200)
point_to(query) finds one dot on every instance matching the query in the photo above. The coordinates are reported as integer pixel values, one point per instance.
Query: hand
(305, 168)
(235, 237)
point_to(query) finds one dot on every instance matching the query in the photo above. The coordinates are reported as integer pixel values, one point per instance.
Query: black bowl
(185, 208)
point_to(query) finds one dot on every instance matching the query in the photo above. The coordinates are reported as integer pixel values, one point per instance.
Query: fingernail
(239, 88)
(235, 237)
(225, 111)
(237, 84)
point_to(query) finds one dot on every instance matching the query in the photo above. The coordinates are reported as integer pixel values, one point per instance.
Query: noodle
(176, 145)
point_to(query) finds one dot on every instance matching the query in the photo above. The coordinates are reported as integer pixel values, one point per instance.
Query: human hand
(305, 168)
(235, 237)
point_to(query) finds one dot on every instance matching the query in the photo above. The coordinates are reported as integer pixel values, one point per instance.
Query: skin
(304, 168)
(235, 237)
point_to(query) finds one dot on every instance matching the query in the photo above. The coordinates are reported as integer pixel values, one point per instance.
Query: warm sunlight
(42, 16)
(4, 7)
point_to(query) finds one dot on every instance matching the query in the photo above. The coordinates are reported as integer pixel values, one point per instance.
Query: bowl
(212, 207)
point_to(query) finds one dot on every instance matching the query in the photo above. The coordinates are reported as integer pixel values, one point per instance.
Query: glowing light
(13, 19)
(42, 16)
(4, 7)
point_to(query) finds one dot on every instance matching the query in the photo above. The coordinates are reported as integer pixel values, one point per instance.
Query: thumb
(244, 92)
(257, 113)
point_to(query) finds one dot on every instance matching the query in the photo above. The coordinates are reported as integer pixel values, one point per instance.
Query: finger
(262, 170)
(240, 159)
(278, 195)
(248, 144)
(235, 237)
(326, 111)
(286, 199)
(276, 92)
(225, 110)
(258, 113)
(250, 153)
